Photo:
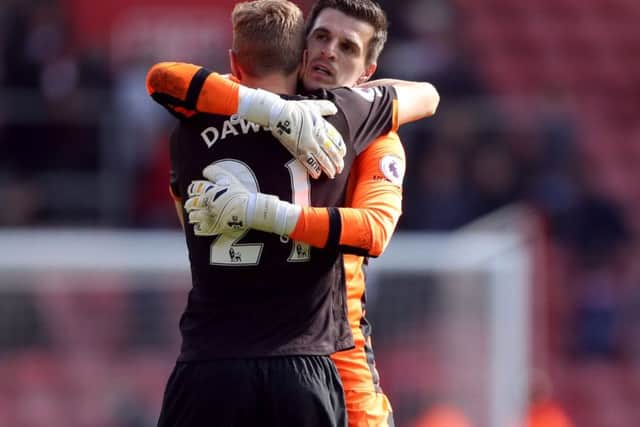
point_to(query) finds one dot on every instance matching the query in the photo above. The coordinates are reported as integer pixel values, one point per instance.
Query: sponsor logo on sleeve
(392, 167)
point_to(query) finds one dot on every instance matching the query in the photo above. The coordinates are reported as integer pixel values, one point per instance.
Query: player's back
(253, 294)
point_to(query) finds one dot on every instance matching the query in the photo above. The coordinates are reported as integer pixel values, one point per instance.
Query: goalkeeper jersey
(253, 294)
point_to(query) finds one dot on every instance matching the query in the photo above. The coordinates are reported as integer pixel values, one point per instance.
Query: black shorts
(301, 391)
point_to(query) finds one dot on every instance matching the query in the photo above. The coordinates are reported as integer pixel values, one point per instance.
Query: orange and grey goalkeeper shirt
(254, 295)
(375, 191)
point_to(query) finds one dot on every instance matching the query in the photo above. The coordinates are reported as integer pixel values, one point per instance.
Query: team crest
(392, 167)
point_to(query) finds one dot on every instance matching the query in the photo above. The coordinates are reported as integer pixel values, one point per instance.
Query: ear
(368, 72)
(235, 68)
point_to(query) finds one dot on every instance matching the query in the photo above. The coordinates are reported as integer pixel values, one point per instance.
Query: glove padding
(223, 205)
(299, 127)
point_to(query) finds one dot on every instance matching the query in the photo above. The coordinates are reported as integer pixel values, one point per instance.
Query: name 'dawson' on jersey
(212, 134)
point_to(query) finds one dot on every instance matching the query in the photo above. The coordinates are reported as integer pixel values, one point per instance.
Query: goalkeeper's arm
(186, 89)
(223, 205)
(416, 100)
(375, 204)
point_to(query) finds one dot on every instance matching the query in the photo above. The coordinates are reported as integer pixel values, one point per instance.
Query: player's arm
(363, 229)
(416, 100)
(187, 89)
(375, 200)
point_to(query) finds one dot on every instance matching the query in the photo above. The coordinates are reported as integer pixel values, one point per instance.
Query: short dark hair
(368, 11)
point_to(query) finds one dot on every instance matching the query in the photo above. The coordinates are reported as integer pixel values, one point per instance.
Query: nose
(329, 50)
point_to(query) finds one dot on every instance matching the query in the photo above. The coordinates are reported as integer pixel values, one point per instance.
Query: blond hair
(268, 36)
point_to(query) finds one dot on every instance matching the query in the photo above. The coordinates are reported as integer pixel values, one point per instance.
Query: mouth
(321, 70)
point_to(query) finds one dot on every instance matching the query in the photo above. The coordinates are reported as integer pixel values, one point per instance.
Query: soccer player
(255, 341)
(344, 40)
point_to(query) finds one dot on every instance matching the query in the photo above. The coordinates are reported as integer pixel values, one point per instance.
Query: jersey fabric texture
(254, 295)
(374, 199)
(365, 228)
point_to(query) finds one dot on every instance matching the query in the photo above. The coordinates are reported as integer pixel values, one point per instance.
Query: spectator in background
(552, 161)
(597, 235)
(140, 147)
(447, 190)
(438, 198)
(50, 133)
(494, 177)
(430, 27)
(23, 51)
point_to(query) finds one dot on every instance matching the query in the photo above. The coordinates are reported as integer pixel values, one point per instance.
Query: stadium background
(539, 107)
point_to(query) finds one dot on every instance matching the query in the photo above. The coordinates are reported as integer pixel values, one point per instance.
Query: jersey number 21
(228, 251)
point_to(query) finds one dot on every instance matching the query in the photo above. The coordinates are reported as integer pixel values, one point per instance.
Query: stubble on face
(336, 50)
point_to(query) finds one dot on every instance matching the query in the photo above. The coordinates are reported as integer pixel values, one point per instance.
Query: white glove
(299, 127)
(222, 205)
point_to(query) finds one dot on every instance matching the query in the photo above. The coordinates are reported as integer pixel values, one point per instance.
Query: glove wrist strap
(258, 106)
(251, 209)
(272, 215)
(287, 217)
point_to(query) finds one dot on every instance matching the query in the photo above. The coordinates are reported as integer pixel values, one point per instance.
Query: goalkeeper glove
(299, 127)
(223, 205)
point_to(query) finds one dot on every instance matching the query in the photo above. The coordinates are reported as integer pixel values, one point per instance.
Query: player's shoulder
(354, 94)
(366, 93)
(316, 94)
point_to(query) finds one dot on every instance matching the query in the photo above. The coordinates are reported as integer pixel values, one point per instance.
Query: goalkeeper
(265, 212)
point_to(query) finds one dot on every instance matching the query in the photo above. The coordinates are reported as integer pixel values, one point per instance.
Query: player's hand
(223, 205)
(218, 206)
(300, 127)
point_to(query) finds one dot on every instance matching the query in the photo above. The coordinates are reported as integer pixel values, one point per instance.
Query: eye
(348, 48)
(320, 36)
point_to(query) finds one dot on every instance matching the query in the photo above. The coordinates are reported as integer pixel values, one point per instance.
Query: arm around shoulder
(416, 100)
(374, 204)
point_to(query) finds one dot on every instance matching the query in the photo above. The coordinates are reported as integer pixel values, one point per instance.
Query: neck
(276, 83)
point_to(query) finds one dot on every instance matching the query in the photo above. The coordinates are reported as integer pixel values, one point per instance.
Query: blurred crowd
(81, 144)
(78, 133)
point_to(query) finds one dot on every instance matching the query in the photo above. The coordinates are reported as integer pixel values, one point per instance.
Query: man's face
(336, 51)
